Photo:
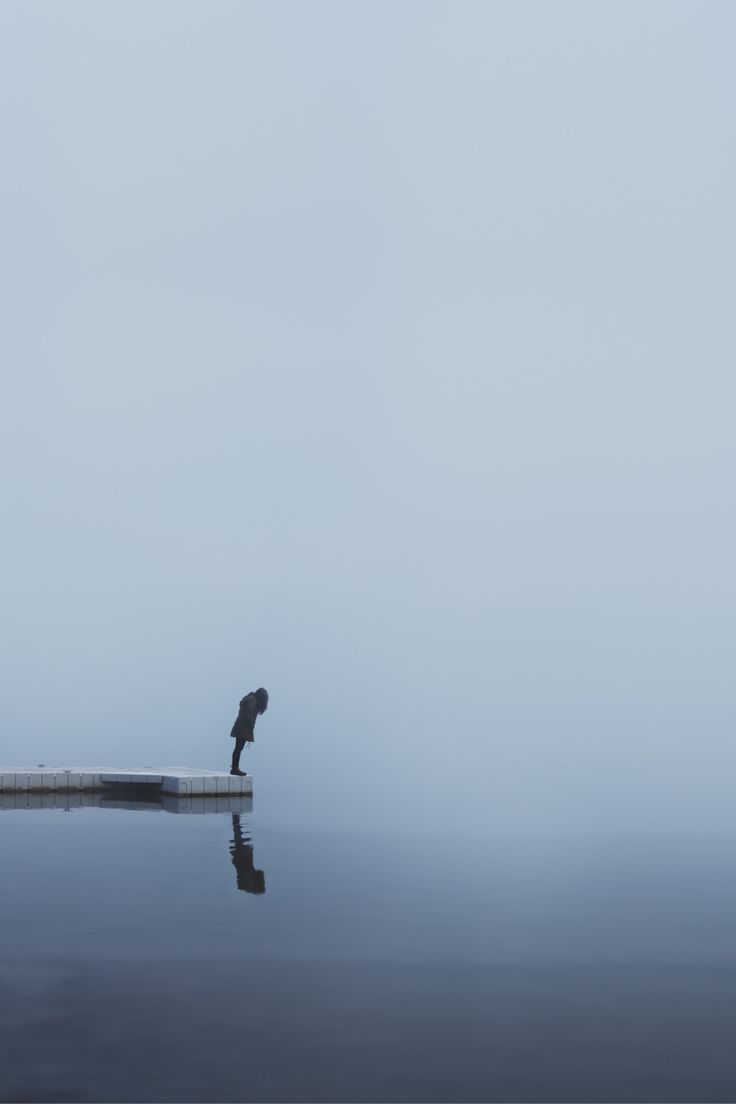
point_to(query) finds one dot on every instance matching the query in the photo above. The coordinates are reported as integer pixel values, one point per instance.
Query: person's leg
(239, 745)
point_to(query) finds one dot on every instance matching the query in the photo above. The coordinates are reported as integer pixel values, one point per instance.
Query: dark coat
(246, 719)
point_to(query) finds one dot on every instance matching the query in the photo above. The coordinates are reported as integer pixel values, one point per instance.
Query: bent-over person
(251, 706)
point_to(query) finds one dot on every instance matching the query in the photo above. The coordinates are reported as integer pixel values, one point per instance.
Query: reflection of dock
(67, 800)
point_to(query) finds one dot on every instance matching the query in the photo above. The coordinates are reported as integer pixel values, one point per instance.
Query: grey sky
(382, 354)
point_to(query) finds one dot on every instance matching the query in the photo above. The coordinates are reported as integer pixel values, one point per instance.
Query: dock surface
(177, 781)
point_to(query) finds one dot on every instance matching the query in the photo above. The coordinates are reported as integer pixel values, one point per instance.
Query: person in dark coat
(251, 706)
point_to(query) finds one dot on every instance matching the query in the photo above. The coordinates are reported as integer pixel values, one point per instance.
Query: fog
(380, 354)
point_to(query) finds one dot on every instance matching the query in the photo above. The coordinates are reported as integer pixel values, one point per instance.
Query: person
(251, 707)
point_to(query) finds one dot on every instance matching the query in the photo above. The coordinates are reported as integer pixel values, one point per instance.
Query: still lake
(153, 957)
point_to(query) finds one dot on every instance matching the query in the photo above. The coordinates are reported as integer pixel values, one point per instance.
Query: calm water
(154, 957)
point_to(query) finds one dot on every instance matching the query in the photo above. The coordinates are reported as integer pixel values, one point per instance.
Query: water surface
(147, 957)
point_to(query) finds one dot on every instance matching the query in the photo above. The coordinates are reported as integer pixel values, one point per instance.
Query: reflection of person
(251, 706)
(249, 879)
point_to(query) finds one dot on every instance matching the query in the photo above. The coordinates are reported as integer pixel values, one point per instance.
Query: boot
(237, 770)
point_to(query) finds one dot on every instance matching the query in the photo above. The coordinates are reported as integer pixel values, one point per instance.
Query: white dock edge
(179, 781)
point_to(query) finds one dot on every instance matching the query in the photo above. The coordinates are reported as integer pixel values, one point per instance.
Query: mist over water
(379, 355)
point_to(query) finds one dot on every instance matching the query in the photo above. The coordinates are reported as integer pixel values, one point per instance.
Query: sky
(381, 354)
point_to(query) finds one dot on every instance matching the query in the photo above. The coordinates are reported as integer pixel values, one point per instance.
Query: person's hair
(262, 699)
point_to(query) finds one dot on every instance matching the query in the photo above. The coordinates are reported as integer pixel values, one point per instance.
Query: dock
(181, 782)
